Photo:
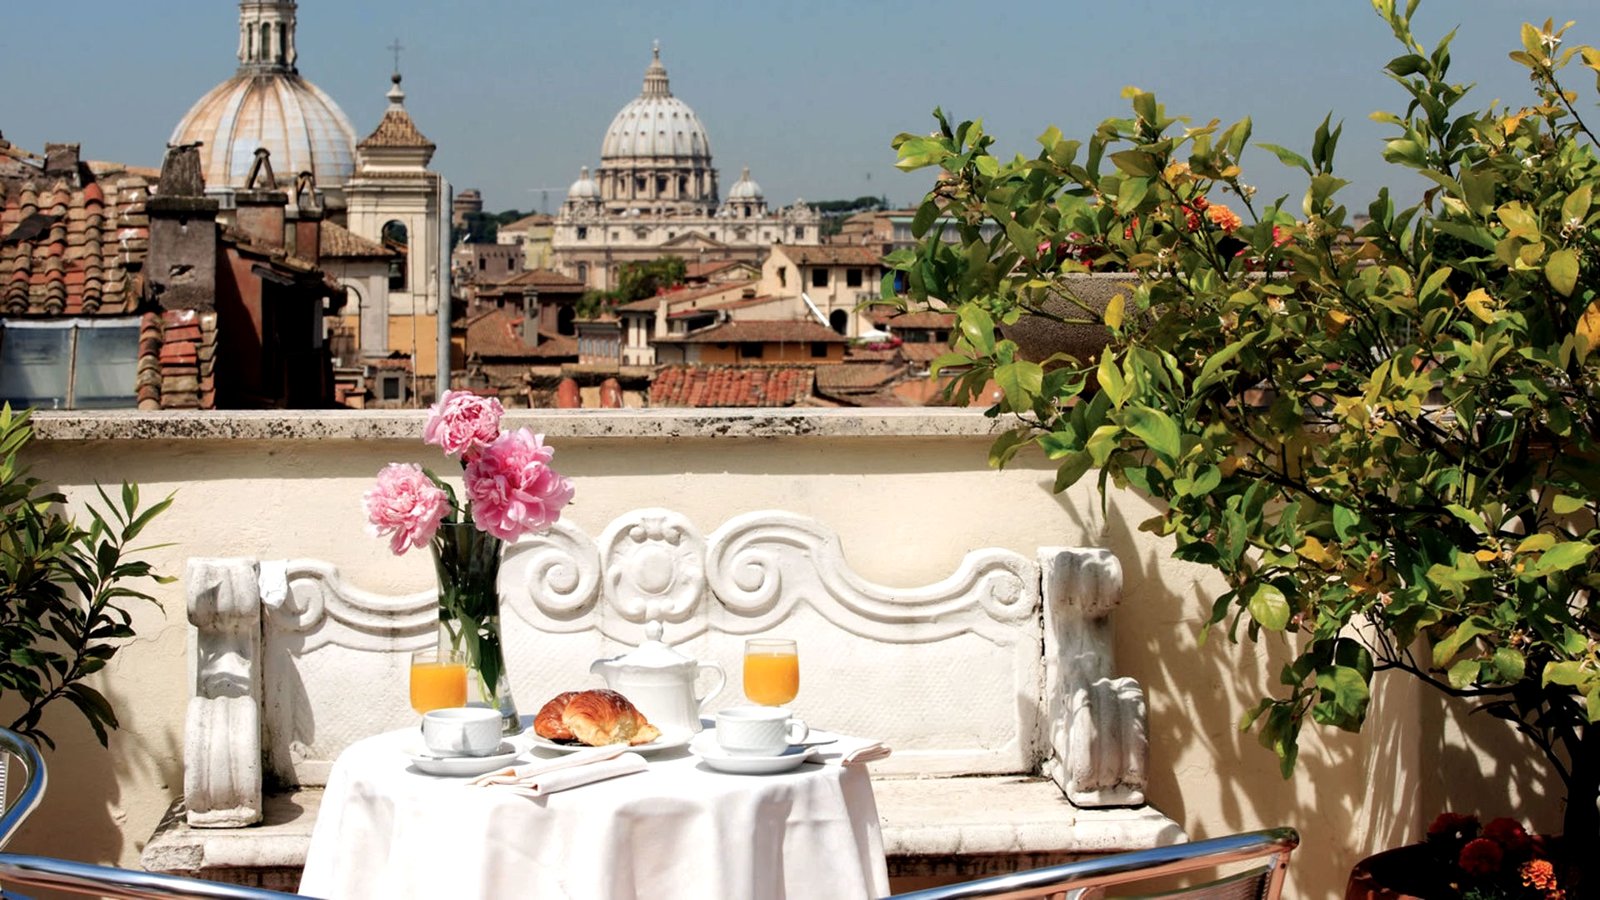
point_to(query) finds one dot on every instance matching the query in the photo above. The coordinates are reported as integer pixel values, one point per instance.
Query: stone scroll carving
(760, 565)
(1098, 742)
(222, 734)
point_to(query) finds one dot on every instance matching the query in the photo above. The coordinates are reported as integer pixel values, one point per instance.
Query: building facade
(656, 194)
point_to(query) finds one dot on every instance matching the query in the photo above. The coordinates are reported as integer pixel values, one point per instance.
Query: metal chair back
(1112, 876)
(23, 871)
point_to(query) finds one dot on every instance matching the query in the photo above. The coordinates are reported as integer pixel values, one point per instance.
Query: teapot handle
(722, 679)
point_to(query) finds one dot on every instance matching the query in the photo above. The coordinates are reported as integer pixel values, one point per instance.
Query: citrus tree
(1385, 420)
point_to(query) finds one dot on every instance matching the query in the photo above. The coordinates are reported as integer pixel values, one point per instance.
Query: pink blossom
(405, 505)
(512, 487)
(462, 423)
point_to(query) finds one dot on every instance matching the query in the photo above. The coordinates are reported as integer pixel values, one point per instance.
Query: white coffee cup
(758, 730)
(461, 731)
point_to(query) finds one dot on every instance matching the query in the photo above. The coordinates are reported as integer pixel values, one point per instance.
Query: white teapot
(660, 681)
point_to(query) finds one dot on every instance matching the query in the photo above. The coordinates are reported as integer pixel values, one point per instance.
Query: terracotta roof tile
(541, 278)
(851, 377)
(497, 334)
(396, 129)
(731, 386)
(683, 297)
(65, 250)
(341, 243)
(760, 332)
(832, 255)
(925, 352)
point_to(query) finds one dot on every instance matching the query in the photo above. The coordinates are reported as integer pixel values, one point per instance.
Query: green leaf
(927, 213)
(1110, 377)
(1559, 558)
(1020, 381)
(1561, 270)
(1567, 672)
(1463, 673)
(1157, 430)
(1564, 505)
(1509, 664)
(1136, 162)
(1288, 157)
(977, 327)
(1073, 467)
(1575, 208)
(1444, 651)
(1269, 607)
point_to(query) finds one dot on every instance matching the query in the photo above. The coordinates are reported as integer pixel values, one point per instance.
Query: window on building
(752, 351)
(583, 272)
(661, 184)
(852, 278)
(483, 263)
(397, 240)
(392, 386)
(819, 350)
(583, 232)
(69, 364)
(783, 276)
(510, 264)
(819, 277)
(839, 321)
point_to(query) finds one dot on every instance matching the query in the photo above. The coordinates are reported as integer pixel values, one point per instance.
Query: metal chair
(22, 871)
(1266, 852)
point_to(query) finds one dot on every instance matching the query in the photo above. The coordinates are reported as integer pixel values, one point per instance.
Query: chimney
(260, 205)
(307, 238)
(61, 161)
(530, 316)
(181, 271)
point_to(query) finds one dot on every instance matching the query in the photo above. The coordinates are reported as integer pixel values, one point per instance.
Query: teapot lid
(654, 653)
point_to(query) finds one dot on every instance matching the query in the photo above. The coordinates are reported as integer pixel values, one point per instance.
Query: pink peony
(463, 423)
(512, 487)
(405, 505)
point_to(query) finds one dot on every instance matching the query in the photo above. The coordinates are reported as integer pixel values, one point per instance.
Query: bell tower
(266, 36)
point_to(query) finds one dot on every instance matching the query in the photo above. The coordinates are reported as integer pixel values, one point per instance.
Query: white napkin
(851, 751)
(573, 770)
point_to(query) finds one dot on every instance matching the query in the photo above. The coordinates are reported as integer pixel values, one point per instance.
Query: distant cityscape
(279, 258)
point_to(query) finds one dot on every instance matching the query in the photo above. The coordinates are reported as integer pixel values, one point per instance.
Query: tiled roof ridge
(396, 129)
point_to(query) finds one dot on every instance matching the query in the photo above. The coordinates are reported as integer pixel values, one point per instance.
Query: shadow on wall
(1353, 794)
(84, 816)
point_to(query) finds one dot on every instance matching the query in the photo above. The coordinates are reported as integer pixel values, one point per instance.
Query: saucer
(670, 740)
(711, 753)
(426, 761)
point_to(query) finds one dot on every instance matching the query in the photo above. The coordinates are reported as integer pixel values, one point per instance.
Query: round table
(678, 829)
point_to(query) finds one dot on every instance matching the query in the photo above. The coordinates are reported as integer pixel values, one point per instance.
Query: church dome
(745, 188)
(656, 125)
(584, 188)
(267, 104)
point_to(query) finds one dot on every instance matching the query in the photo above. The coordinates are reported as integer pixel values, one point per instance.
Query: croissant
(594, 718)
(548, 725)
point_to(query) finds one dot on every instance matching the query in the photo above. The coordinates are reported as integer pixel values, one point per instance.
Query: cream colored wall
(906, 509)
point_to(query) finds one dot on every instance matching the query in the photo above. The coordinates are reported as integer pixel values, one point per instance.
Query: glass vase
(467, 562)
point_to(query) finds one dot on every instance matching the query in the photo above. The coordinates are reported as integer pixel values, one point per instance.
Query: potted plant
(1390, 421)
(64, 589)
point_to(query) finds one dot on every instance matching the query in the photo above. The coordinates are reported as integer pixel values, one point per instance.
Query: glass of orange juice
(438, 679)
(771, 671)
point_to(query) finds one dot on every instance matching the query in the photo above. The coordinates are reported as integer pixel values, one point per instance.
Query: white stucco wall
(908, 493)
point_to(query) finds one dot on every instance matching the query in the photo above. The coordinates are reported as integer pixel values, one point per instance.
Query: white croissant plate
(461, 766)
(711, 753)
(669, 740)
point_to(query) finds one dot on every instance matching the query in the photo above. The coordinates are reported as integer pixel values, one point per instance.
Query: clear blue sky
(518, 94)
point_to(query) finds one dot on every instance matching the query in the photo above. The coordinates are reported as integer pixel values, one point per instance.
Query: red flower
(1199, 204)
(1453, 825)
(1481, 857)
(1279, 238)
(1191, 218)
(1511, 837)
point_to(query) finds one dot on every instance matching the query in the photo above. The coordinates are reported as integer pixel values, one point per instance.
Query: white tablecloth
(676, 830)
